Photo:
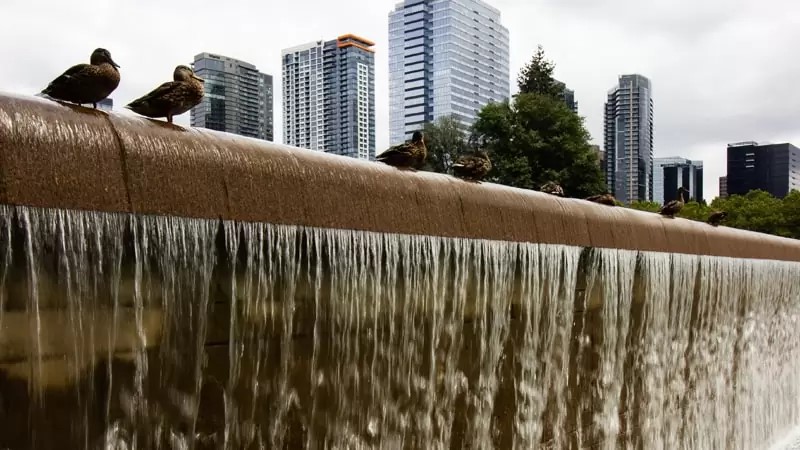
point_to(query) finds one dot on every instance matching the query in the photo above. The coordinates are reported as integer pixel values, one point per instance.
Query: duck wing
(405, 149)
(671, 208)
(155, 99)
(73, 76)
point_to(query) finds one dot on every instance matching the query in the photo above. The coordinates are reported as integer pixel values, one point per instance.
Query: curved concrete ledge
(58, 156)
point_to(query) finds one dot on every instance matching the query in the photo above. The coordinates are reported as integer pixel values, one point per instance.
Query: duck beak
(198, 78)
(113, 63)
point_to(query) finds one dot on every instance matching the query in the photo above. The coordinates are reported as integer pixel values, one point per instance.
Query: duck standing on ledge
(603, 199)
(716, 218)
(172, 98)
(673, 206)
(407, 155)
(552, 188)
(86, 83)
(472, 167)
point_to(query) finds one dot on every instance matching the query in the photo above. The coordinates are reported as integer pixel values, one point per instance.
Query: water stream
(127, 332)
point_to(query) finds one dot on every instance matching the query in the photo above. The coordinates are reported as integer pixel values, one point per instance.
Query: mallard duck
(552, 188)
(86, 83)
(172, 98)
(603, 199)
(716, 218)
(410, 154)
(673, 206)
(472, 167)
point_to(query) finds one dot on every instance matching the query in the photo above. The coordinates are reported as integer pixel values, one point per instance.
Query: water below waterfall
(127, 332)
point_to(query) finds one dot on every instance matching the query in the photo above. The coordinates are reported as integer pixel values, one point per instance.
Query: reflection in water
(126, 332)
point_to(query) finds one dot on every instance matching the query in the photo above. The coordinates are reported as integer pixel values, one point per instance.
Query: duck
(172, 98)
(472, 167)
(673, 206)
(716, 218)
(603, 199)
(408, 155)
(86, 83)
(552, 188)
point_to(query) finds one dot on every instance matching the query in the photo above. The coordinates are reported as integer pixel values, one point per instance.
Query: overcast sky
(722, 70)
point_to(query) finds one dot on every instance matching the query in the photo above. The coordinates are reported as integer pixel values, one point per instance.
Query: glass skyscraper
(446, 58)
(238, 98)
(673, 172)
(329, 96)
(629, 139)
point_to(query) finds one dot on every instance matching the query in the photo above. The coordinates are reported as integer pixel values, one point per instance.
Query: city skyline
(699, 111)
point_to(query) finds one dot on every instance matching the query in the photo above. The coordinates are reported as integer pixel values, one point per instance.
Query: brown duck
(673, 206)
(552, 188)
(716, 218)
(172, 98)
(407, 155)
(603, 199)
(472, 167)
(86, 83)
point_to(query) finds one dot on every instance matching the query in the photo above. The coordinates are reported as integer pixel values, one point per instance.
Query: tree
(537, 77)
(445, 140)
(537, 139)
(645, 206)
(755, 211)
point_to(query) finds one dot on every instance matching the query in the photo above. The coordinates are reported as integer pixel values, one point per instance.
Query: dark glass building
(238, 98)
(774, 168)
(671, 173)
(568, 95)
(329, 96)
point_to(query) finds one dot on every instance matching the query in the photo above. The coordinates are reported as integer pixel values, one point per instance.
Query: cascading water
(127, 332)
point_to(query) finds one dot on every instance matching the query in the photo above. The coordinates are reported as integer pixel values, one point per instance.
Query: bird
(552, 188)
(171, 98)
(716, 217)
(472, 167)
(673, 206)
(86, 83)
(603, 199)
(407, 155)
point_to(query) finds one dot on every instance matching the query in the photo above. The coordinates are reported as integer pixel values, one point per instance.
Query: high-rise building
(774, 168)
(329, 96)
(629, 139)
(723, 187)
(671, 173)
(601, 156)
(446, 58)
(568, 95)
(238, 98)
(106, 104)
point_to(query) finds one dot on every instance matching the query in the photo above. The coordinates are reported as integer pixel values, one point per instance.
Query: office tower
(238, 98)
(671, 173)
(629, 139)
(774, 168)
(568, 95)
(601, 156)
(329, 96)
(106, 104)
(723, 187)
(446, 58)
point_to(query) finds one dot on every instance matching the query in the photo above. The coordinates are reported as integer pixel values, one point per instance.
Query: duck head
(100, 56)
(417, 137)
(185, 73)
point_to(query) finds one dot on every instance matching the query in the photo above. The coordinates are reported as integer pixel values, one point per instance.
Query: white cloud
(722, 70)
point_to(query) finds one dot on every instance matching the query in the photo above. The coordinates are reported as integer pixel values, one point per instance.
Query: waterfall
(120, 331)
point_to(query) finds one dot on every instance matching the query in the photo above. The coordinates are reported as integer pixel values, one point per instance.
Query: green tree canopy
(536, 139)
(537, 77)
(445, 140)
